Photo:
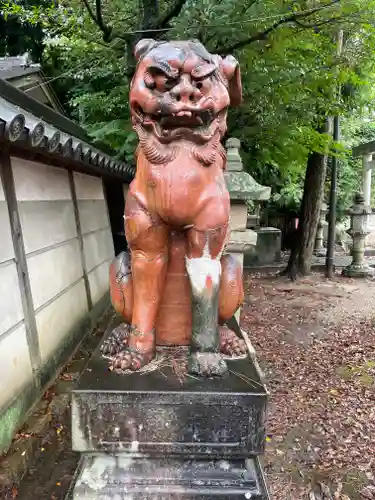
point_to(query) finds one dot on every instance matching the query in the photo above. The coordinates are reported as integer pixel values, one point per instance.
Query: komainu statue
(177, 286)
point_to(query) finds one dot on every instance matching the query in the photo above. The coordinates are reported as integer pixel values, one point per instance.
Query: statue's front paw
(207, 364)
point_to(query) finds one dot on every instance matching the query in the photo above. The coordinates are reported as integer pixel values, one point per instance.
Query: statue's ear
(231, 71)
(143, 46)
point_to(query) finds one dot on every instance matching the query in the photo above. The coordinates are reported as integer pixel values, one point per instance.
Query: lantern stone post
(359, 215)
(240, 189)
(319, 249)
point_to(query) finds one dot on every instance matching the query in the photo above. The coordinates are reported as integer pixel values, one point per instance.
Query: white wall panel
(11, 311)
(36, 181)
(15, 366)
(53, 271)
(58, 319)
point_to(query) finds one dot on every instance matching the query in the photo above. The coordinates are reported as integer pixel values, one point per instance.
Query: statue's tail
(231, 294)
(121, 285)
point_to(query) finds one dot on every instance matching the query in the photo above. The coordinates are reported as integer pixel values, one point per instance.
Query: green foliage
(17, 35)
(290, 72)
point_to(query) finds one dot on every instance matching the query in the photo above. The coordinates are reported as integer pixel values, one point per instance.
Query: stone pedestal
(267, 250)
(155, 435)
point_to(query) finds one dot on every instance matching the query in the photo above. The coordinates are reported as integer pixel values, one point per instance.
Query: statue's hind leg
(147, 237)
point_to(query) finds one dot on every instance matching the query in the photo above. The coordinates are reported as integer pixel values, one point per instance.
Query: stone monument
(359, 215)
(180, 412)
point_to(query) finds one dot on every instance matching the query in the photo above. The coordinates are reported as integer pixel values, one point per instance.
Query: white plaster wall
(53, 256)
(45, 204)
(46, 223)
(11, 311)
(15, 367)
(6, 246)
(53, 271)
(88, 187)
(35, 181)
(92, 215)
(98, 247)
(58, 318)
(97, 237)
(99, 281)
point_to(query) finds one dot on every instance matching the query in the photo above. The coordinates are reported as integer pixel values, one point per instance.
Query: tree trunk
(303, 246)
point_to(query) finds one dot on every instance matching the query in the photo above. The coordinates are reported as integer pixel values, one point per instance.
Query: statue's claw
(230, 344)
(131, 359)
(117, 341)
(138, 351)
(207, 364)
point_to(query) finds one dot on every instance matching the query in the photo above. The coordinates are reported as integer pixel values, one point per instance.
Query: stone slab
(267, 250)
(157, 413)
(122, 477)
(238, 216)
(242, 241)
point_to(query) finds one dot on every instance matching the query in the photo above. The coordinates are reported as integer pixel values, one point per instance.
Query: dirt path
(316, 341)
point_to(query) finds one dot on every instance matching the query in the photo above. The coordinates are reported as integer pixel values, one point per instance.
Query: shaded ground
(316, 341)
(50, 475)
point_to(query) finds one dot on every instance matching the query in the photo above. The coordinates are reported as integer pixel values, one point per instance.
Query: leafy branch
(262, 35)
(98, 19)
(150, 20)
(174, 11)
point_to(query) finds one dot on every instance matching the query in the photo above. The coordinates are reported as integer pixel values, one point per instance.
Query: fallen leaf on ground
(321, 412)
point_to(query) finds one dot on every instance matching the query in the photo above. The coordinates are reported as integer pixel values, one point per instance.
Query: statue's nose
(185, 91)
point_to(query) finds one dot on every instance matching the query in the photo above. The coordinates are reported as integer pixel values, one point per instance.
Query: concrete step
(122, 477)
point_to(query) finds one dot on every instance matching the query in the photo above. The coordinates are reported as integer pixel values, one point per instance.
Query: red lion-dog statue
(177, 286)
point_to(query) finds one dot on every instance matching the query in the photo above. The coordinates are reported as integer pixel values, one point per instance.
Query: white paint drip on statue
(202, 268)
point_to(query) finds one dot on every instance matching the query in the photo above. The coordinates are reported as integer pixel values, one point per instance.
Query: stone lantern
(252, 245)
(319, 249)
(359, 215)
(242, 187)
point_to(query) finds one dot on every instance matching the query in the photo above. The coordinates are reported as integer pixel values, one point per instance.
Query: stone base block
(321, 252)
(267, 250)
(358, 271)
(122, 477)
(242, 241)
(158, 412)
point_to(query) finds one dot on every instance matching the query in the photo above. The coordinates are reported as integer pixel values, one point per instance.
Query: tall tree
(288, 61)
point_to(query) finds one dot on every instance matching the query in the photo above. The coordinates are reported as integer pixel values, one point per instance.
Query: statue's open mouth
(190, 123)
